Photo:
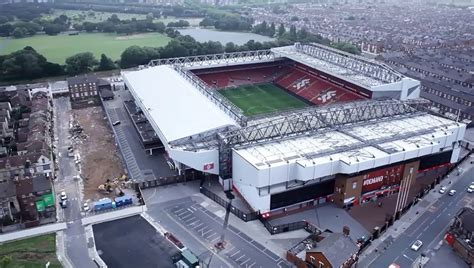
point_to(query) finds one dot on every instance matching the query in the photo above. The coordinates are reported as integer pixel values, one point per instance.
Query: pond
(238, 38)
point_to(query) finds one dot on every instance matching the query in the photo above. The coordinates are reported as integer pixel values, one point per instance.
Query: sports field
(261, 99)
(58, 48)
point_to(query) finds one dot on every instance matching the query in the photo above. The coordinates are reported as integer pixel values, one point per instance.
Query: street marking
(235, 253)
(433, 221)
(197, 226)
(213, 234)
(243, 255)
(190, 210)
(194, 222)
(189, 220)
(408, 257)
(179, 215)
(245, 261)
(250, 266)
(187, 216)
(208, 231)
(426, 228)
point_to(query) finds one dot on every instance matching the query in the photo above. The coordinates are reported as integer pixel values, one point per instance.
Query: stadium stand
(314, 89)
(238, 76)
(291, 77)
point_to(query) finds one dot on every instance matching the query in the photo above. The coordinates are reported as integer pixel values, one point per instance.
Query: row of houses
(26, 167)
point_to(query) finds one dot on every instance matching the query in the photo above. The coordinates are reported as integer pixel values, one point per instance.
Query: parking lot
(132, 242)
(241, 250)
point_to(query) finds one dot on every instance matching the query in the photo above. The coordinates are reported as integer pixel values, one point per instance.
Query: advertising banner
(382, 178)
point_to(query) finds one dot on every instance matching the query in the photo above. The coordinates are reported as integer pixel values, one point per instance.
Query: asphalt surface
(429, 228)
(139, 246)
(199, 229)
(137, 160)
(75, 238)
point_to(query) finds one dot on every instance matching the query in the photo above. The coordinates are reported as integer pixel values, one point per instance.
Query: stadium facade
(363, 132)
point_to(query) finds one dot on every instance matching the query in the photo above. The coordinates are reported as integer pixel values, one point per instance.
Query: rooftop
(358, 70)
(82, 79)
(337, 248)
(380, 139)
(173, 105)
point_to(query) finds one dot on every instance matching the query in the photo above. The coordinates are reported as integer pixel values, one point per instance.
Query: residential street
(429, 228)
(75, 239)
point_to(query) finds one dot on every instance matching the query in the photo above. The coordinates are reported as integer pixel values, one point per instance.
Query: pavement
(134, 155)
(326, 216)
(75, 243)
(197, 222)
(426, 221)
(139, 246)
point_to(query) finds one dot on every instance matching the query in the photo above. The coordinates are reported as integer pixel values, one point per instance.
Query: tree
(160, 27)
(292, 35)
(5, 261)
(114, 18)
(80, 63)
(133, 56)
(27, 63)
(281, 30)
(271, 30)
(89, 26)
(52, 29)
(105, 63)
(294, 18)
(6, 29)
(206, 22)
(19, 32)
(230, 47)
(302, 35)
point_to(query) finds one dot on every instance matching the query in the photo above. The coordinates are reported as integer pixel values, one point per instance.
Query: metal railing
(224, 104)
(245, 216)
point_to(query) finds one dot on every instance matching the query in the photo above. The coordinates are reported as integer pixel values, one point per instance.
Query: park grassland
(33, 252)
(261, 99)
(57, 48)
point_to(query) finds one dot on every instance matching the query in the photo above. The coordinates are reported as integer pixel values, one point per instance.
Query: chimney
(346, 230)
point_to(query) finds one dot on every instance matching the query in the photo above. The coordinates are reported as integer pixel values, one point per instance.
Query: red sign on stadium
(208, 166)
(382, 178)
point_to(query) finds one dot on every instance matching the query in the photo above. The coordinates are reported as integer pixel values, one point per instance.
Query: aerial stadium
(295, 126)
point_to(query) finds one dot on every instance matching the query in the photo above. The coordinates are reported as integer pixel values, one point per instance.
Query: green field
(58, 48)
(261, 99)
(80, 16)
(32, 252)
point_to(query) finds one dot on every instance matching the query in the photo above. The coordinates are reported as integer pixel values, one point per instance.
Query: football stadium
(295, 126)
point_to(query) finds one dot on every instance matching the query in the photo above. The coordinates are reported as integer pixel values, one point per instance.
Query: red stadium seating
(296, 79)
(237, 76)
(313, 88)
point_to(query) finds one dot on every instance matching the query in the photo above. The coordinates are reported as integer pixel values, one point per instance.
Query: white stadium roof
(324, 146)
(173, 105)
(333, 64)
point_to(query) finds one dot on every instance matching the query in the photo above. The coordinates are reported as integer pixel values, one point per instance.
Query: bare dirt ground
(99, 155)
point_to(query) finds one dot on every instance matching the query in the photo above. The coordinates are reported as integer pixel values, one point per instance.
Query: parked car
(63, 203)
(116, 123)
(417, 245)
(85, 207)
(470, 189)
(442, 190)
(452, 192)
(63, 196)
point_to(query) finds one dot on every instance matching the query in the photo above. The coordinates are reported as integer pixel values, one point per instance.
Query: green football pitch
(260, 99)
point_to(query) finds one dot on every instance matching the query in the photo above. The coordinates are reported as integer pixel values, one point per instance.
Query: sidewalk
(412, 215)
(30, 232)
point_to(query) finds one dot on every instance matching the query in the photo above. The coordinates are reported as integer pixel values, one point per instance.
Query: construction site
(96, 155)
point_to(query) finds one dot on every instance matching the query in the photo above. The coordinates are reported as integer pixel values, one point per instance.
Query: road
(75, 238)
(200, 229)
(429, 228)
